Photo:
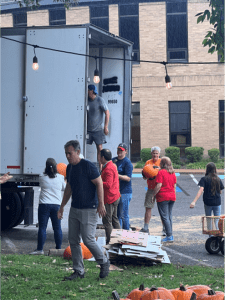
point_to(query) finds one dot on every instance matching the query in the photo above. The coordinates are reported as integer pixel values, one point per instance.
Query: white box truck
(42, 110)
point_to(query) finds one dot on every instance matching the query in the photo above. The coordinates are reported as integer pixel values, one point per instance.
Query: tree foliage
(214, 38)
(34, 4)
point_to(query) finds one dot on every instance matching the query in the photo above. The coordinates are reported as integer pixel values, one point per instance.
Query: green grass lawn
(26, 277)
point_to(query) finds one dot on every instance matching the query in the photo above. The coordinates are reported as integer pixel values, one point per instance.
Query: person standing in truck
(97, 107)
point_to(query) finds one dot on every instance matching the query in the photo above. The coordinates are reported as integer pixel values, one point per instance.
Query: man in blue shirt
(85, 185)
(125, 168)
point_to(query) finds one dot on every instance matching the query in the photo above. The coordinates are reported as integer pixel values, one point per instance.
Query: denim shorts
(98, 137)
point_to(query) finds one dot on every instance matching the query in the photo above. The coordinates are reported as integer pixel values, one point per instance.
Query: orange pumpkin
(61, 169)
(149, 171)
(199, 289)
(67, 253)
(183, 294)
(157, 293)
(86, 253)
(136, 294)
(211, 295)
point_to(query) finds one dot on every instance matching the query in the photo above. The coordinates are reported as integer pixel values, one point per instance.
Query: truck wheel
(10, 210)
(212, 245)
(222, 247)
(21, 217)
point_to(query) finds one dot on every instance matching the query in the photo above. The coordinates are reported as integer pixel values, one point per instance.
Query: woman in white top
(52, 184)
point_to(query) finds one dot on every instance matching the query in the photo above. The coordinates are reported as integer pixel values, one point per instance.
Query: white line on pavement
(9, 244)
(186, 256)
(194, 179)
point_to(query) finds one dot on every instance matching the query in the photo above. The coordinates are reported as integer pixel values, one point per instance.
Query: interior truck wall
(114, 99)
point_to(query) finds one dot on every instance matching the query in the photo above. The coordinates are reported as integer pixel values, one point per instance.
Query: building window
(221, 127)
(99, 16)
(135, 132)
(129, 26)
(57, 16)
(180, 123)
(177, 35)
(20, 19)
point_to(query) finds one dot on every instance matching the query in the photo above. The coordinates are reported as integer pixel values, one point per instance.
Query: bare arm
(66, 196)
(124, 178)
(107, 114)
(99, 186)
(156, 189)
(5, 177)
(197, 196)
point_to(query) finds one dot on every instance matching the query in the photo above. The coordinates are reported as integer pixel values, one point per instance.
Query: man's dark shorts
(98, 137)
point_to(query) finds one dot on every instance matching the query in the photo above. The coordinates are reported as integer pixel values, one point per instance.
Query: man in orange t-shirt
(149, 200)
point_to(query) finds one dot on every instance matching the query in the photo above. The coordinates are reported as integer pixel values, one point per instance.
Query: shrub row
(193, 154)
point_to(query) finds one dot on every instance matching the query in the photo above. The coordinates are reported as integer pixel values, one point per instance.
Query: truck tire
(21, 217)
(222, 247)
(10, 210)
(212, 245)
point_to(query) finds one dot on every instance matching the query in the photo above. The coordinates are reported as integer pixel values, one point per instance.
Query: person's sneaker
(144, 230)
(104, 269)
(168, 239)
(38, 252)
(74, 275)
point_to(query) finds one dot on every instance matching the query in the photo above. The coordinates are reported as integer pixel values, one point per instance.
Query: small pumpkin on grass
(86, 253)
(157, 293)
(183, 294)
(199, 289)
(136, 294)
(212, 295)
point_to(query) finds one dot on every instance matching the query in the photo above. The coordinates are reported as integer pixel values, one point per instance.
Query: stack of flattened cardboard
(136, 244)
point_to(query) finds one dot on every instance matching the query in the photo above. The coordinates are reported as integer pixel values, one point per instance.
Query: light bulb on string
(35, 65)
(96, 74)
(167, 79)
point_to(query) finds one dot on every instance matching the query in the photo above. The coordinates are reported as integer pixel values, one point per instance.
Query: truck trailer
(41, 110)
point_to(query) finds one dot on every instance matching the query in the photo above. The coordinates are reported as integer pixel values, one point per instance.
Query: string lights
(96, 79)
(96, 73)
(167, 78)
(35, 65)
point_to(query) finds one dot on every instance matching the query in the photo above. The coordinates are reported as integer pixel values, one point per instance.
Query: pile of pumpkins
(195, 292)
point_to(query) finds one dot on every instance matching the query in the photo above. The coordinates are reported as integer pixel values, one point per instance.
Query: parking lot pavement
(189, 242)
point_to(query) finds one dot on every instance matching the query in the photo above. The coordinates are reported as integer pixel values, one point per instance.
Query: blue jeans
(123, 211)
(44, 212)
(165, 211)
(216, 212)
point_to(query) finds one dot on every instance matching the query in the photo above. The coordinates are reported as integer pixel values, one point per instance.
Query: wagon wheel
(10, 210)
(212, 245)
(222, 247)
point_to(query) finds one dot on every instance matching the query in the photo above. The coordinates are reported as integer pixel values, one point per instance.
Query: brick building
(189, 114)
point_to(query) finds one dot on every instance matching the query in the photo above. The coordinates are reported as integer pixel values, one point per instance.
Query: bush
(174, 154)
(194, 154)
(146, 154)
(214, 154)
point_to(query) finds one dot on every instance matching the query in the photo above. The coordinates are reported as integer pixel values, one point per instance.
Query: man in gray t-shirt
(97, 107)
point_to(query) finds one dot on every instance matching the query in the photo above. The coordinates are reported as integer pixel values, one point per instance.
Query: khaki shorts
(149, 201)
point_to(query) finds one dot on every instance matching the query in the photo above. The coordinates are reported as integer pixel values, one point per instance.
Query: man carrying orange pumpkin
(149, 172)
